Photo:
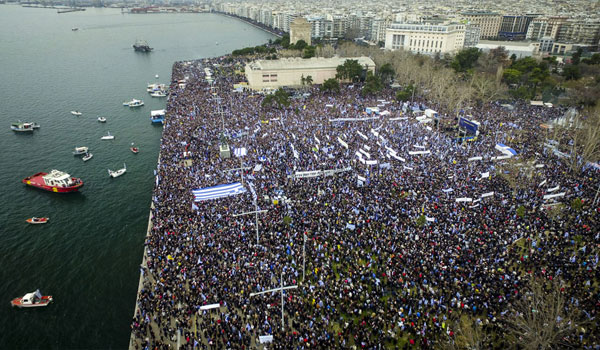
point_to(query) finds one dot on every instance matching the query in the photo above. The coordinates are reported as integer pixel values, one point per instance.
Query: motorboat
(87, 157)
(134, 149)
(158, 93)
(156, 87)
(117, 173)
(55, 181)
(78, 113)
(108, 137)
(35, 220)
(36, 125)
(74, 29)
(142, 46)
(22, 127)
(156, 76)
(102, 119)
(33, 299)
(157, 116)
(80, 151)
(134, 103)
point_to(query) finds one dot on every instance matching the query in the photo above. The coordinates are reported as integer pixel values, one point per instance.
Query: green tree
(571, 72)
(308, 80)
(465, 59)
(421, 220)
(405, 94)
(521, 211)
(511, 76)
(299, 45)
(309, 51)
(351, 70)
(279, 99)
(330, 85)
(372, 84)
(386, 72)
(576, 58)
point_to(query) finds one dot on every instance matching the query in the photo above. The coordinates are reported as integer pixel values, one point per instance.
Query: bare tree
(542, 319)
(468, 335)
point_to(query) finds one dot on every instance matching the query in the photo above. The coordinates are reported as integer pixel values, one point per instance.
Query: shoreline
(250, 23)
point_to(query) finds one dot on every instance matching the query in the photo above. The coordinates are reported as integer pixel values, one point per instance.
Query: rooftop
(301, 63)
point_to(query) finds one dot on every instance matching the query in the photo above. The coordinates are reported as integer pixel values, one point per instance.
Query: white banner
(487, 194)
(472, 159)
(371, 162)
(362, 135)
(542, 183)
(352, 119)
(464, 199)
(399, 158)
(549, 196)
(553, 189)
(365, 153)
(399, 118)
(303, 174)
(344, 144)
(265, 339)
(363, 179)
(412, 153)
(374, 133)
(211, 306)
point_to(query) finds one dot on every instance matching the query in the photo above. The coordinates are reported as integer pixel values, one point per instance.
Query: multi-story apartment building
(580, 32)
(489, 23)
(472, 35)
(378, 29)
(544, 27)
(340, 23)
(425, 38)
(514, 27)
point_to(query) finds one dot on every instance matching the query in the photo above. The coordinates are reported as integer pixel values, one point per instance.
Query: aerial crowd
(392, 228)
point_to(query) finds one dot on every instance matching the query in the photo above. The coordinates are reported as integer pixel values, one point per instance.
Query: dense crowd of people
(412, 231)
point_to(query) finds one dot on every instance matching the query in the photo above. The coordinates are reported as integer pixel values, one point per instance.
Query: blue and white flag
(240, 152)
(220, 191)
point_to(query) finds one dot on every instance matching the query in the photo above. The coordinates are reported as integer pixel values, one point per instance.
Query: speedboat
(36, 125)
(158, 93)
(33, 299)
(108, 137)
(102, 119)
(156, 76)
(35, 220)
(118, 172)
(74, 29)
(134, 103)
(55, 181)
(76, 113)
(134, 149)
(80, 150)
(156, 87)
(22, 127)
(87, 157)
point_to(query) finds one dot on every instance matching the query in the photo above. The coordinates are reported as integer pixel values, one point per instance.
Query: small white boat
(156, 87)
(36, 125)
(23, 127)
(80, 150)
(118, 172)
(156, 76)
(33, 299)
(158, 93)
(108, 137)
(102, 119)
(78, 113)
(134, 103)
(87, 157)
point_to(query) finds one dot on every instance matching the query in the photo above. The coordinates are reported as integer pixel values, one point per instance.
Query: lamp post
(256, 211)
(280, 289)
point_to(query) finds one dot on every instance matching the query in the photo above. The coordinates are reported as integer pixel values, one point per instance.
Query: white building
(425, 38)
(272, 74)
(519, 49)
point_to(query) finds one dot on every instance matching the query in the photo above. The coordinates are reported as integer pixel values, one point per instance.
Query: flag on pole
(240, 152)
(220, 191)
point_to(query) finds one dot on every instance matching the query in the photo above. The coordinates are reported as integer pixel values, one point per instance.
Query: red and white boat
(35, 220)
(33, 299)
(134, 149)
(55, 181)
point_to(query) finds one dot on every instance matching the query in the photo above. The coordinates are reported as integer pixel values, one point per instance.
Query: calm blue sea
(88, 256)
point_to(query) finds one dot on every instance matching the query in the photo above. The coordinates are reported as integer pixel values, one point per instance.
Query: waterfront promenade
(391, 230)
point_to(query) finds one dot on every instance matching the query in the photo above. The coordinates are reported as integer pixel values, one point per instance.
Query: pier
(75, 9)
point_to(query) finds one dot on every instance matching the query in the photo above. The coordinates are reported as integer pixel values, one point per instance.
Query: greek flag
(220, 191)
(240, 152)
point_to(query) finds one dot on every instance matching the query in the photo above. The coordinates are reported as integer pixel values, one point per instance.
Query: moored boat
(142, 46)
(108, 137)
(117, 173)
(87, 157)
(158, 93)
(157, 116)
(156, 87)
(36, 125)
(102, 119)
(54, 181)
(33, 299)
(35, 220)
(134, 149)
(80, 150)
(76, 113)
(22, 127)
